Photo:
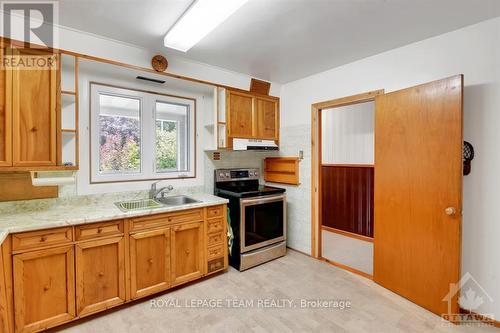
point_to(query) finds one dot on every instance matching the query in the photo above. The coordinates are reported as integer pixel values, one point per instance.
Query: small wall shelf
(284, 170)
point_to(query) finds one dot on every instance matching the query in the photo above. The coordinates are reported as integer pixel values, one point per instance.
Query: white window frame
(147, 131)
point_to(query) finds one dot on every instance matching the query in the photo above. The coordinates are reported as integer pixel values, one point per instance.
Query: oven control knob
(256, 174)
(250, 173)
(221, 175)
(227, 174)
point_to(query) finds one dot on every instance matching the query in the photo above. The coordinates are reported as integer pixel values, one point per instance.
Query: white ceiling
(282, 40)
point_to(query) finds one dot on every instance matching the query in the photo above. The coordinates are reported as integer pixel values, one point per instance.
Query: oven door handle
(262, 200)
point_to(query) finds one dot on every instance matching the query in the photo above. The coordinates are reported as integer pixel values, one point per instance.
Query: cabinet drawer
(215, 265)
(214, 226)
(159, 220)
(42, 238)
(216, 251)
(215, 211)
(215, 238)
(96, 230)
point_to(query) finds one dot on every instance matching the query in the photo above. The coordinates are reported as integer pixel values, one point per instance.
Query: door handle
(450, 211)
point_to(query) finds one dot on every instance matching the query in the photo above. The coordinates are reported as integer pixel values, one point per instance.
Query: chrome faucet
(154, 193)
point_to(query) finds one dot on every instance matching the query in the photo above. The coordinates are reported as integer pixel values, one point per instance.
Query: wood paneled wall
(347, 198)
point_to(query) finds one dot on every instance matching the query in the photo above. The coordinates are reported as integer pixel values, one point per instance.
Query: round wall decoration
(159, 63)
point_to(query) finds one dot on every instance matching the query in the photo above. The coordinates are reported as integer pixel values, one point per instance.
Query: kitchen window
(138, 135)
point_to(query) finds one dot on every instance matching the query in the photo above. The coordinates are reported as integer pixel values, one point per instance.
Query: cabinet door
(100, 275)
(240, 115)
(149, 262)
(267, 119)
(5, 112)
(187, 255)
(44, 288)
(34, 111)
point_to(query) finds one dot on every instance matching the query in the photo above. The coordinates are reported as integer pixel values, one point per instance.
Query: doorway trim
(316, 159)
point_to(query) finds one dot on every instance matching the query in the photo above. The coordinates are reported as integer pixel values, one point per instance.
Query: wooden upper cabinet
(267, 119)
(34, 110)
(149, 262)
(251, 116)
(187, 254)
(100, 274)
(5, 113)
(44, 287)
(240, 114)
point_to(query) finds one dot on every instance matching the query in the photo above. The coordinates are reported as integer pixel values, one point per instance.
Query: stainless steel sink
(130, 205)
(176, 200)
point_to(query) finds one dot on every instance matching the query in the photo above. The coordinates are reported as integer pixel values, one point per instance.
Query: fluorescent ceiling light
(198, 21)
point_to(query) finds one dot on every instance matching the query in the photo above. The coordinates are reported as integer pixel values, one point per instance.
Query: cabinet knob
(46, 288)
(150, 261)
(101, 274)
(450, 211)
(99, 230)
(187, 252)
(43, 238)
(34, 129)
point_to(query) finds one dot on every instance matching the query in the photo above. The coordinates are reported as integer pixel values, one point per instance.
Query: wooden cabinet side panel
(5, 113)
(6, 301)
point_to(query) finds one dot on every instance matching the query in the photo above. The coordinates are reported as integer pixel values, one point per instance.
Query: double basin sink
(168, 201)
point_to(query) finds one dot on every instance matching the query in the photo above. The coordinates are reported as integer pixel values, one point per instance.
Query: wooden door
(100, 275)
(44, 287)
(240, 115)
(5, 112)
(34, 111)
(267, 119)
(418, 192)
(149, 262)
(187, 254)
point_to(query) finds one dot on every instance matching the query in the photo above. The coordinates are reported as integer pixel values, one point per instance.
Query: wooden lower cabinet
(44, 288)
(149, 262)
(100, 275)
(187, 256)
(66, 277)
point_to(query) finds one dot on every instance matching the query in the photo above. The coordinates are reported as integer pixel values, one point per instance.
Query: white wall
(472, 51)
(86, 43)
(204, 108)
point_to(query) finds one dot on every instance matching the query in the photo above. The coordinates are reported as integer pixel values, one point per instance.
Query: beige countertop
(87, 210)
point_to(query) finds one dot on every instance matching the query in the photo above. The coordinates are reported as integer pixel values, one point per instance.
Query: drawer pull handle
(43, 238)
(99, 230)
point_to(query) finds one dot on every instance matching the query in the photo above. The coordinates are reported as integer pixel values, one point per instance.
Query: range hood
(254, 144)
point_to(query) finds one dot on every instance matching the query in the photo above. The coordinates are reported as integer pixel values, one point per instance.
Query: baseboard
(347, 268)
(481, 317)
(304, 253)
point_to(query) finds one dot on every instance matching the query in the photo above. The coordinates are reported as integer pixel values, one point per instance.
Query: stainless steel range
(257, 214)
